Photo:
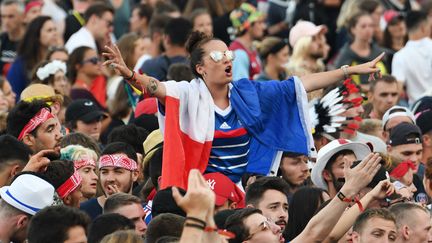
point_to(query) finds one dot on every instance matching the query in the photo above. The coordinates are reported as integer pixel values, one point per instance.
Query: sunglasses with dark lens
(92, 60)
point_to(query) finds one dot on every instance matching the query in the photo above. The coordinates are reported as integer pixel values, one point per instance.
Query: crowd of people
(215, 121)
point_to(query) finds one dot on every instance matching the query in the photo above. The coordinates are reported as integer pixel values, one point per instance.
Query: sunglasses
(217, 56)
(92, 60)
(264, 226)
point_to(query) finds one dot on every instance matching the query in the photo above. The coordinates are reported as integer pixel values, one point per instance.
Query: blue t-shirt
(230, 147)
(158, 67)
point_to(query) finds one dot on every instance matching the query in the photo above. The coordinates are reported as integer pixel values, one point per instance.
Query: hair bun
(194, 39)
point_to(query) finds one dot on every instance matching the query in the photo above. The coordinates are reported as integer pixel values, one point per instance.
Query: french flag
(274, 113)
(187, 122)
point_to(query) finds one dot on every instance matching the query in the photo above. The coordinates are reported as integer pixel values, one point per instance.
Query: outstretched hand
(115, 60)
(368, 67)
(199, 198)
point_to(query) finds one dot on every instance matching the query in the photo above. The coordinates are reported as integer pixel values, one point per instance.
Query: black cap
(164, 202)
(83, 110)
(405, 133)
(424, 121)
(422, 104)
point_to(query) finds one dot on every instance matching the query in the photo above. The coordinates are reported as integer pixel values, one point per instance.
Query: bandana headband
(50, 69)
(117, 160)
(42, 116)
(69, 185)
(85, 161)
(402, 168)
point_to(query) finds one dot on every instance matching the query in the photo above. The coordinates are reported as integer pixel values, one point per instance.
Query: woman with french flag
(215, 124)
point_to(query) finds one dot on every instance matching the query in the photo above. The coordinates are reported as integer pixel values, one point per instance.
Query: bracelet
(345, 71)
(359, 204)
(197, 220)
(197, 226)
(343, 198)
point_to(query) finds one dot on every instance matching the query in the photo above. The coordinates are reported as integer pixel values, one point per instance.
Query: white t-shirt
(412, 65)
(82, 37)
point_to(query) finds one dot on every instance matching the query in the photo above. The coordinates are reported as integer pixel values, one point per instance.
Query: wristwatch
(345, 71)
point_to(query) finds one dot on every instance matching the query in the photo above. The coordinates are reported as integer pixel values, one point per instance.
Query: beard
(337, 182)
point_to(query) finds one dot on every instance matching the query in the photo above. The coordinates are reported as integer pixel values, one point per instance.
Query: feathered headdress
(325, 113)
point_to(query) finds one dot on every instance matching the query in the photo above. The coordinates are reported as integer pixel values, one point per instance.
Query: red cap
(389, 15)
(225, 189)
(33, 4)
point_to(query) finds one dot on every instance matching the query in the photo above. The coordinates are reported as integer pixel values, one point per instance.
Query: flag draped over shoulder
(273, 112)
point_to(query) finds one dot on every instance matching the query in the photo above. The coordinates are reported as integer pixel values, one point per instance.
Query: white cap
(395, 111)
(325, 153)
(28, 193)
(304, 29)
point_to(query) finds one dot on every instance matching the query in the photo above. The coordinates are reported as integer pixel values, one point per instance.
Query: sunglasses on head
(217, 56)
(92, 60)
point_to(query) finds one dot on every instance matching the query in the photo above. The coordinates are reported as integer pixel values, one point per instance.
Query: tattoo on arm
(152, 86)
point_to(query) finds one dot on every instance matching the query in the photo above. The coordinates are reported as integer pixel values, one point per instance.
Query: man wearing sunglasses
(99, 23)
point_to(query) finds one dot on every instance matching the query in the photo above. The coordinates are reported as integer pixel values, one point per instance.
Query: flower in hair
(50, 69)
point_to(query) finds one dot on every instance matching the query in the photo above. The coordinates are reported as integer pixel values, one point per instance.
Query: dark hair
(54, 49)
(194, 46)
(381, 213)
(155, 166)
(196, 13)
(12, 151)
(51, 224)
(106, 224)
(75, 58)
(352, 22)
(256, 190)
(97, 9)
(168, 239)
(180, 72)
(414, 19)
(120, 147)
(163, 202)
(235, 224)
(58, 171)
(387, 37)
(178, 30)
(333, 158)
(164, 8)
(77, 138)
(157, 24)
(119, 200)
(303, 206)
(389, 79)
(144, 11)
(21, 114)
(369, 6)
(165, 224)
(130, 134)
(30, 45)
(403, 212)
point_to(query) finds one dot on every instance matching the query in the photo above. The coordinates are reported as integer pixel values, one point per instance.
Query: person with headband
(118, 170)
(35, 125)
(274, 53)
(84, 160)
(53, 73)
(216, 124)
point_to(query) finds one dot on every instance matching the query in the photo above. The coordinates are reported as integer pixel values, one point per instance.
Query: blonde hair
(122, 236)
(300, 50)
(348, 9)
(76, 152)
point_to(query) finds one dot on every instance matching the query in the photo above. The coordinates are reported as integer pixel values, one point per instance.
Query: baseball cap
(396, 111)
(304, 29)
(391, 15)
(40, 92)
(225, 189)
(424, 121)
(325, 153)
(405, 133)
(28, 193)
(84, 110)
(424, 103)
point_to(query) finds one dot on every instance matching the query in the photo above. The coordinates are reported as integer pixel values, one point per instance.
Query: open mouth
(228, 69)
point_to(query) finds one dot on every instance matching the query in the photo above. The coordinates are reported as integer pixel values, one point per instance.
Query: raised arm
(321, 80)
(356, 178)
(142, 82)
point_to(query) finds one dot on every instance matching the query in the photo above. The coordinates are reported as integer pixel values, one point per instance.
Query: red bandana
(117, 160)
(69, 185)
(42, 116)
(84, 161)
(402, 168)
